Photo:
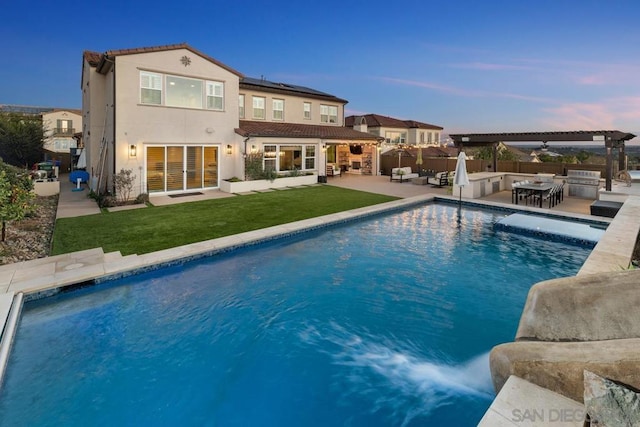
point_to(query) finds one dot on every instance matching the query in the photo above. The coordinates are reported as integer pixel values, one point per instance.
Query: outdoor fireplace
(355, 165)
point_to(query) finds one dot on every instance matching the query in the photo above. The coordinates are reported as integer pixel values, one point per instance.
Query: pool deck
(47, 275)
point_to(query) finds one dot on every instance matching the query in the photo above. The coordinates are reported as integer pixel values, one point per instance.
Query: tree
(486, 153)
(583, 156)
(21, 139)
(15, 196)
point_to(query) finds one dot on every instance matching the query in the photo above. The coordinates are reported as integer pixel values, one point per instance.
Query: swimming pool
(387, 321)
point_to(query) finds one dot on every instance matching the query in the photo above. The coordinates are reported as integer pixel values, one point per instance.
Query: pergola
(610, 138)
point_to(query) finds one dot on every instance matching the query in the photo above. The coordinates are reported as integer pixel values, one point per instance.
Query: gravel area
(30, 238)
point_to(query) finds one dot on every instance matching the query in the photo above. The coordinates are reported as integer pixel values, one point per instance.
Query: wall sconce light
(254, 149)
(229, 149)
(324, 148)
(133, 151)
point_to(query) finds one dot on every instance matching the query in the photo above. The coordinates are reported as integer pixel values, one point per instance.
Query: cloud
(466, 92)
(587, 73)
(491, 67)
(579, 116)
(434, 86)
(622, 113)
(443, 48)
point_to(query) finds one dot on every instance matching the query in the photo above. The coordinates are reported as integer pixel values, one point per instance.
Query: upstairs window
(150, 88)
(64, 127)
(306, 111)
(183, 92)
(328, 114)
(278, 109)
(241, 106)
(396, 137)
(258, 107)
(215, 96)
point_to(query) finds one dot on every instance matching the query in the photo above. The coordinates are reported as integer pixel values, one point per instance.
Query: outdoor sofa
(402, 174)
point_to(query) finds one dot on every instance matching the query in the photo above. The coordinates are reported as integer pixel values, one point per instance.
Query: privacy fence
(439, 164)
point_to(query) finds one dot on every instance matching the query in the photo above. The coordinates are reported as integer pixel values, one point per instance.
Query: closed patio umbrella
(462, 178)
(82, 160)
(419, 159)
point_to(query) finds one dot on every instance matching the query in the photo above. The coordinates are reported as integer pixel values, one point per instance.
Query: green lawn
(155, 228)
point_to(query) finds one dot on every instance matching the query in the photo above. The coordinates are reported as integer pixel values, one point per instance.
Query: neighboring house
(60, 125)
(183, 121)
(396, 131)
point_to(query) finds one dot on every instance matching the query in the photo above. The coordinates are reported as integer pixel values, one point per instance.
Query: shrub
(253, 166)
(142, 198)
(15, 196)
(270, 174)
(123, 182)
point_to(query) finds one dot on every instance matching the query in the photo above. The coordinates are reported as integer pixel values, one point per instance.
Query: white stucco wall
(145, 125)
(96, 110)
(293, 108)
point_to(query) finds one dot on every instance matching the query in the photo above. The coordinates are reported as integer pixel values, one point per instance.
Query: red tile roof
(71, 110)
(293, 130)
(376, 120)
(437, 151)
(94, 58)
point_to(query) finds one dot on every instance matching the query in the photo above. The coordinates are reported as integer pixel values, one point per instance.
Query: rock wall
(568, 325)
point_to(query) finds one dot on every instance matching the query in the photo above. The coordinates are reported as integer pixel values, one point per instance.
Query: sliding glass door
(177, 168)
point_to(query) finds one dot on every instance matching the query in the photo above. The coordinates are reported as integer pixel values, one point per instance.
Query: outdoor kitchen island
(482, 184)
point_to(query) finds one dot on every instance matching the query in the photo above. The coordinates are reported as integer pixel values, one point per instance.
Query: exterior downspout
(322, 178)
(244, 157)
(113, 118)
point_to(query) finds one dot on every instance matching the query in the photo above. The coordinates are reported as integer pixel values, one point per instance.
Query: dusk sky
(468, 66)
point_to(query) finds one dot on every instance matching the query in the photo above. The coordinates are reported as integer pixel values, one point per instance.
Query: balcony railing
(63, 131)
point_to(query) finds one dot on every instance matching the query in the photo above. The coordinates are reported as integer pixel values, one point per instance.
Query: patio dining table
(538, 189)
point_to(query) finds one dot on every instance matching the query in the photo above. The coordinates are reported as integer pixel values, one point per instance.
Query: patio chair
(333, 171)
(441, 179)
(523, 195)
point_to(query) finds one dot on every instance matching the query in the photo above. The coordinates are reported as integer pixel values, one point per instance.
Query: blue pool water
(383, 322)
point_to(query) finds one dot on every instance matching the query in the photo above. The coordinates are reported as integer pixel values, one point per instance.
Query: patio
(382, 185)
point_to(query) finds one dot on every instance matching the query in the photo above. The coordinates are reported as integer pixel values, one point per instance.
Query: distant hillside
(597, 153)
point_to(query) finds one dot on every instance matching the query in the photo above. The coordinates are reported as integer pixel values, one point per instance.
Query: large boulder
(583, 308)
(559, 366)
(609, 403)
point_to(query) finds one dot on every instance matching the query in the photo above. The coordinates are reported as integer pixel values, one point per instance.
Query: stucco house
(396, 131)
(182, 121)
(60, 125)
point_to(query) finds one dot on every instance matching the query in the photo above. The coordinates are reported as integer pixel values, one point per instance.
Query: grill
(583, 184)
